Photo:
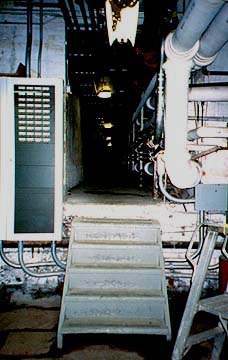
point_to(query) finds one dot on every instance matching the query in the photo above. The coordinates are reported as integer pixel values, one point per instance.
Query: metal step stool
(217, 305)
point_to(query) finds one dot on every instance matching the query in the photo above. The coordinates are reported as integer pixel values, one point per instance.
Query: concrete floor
(28, 328)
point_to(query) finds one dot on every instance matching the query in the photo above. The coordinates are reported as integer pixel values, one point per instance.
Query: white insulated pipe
(182, 171)
(208, 132)
(208, 93)
(181, 48)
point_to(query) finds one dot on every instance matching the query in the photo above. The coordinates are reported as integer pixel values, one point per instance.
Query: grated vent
(34, 106)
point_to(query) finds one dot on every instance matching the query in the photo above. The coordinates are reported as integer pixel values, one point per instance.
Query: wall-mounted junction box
(31, 158)
(211, 197)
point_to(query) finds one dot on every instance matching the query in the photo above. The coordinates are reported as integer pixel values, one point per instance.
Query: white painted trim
(3, 168)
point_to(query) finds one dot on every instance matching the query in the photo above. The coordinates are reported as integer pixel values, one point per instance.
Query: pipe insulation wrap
(197, 17)
(174, 54)
(208, 132)
(208, 93)
(183, 172)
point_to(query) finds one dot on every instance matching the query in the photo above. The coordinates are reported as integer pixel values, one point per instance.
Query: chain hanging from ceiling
(117, 6)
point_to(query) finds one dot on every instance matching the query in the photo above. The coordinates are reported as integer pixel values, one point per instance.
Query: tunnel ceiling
(130, 68)
(89, 55)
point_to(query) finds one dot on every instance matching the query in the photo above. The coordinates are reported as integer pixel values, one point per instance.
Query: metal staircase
(115, 279)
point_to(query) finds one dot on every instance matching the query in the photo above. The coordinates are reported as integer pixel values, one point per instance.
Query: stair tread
(113, 322)
(217, 305)
(116, 242)
(113, 266)
(156, 270)
(94, 220)
(115, 292)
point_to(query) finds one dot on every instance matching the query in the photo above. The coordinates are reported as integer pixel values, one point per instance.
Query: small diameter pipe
(55, 257)
(160, 107)
(29, 39)
(40, 41)
(208, 132)
(11, 263)
(30, 272)
(145, 96)
(207, 72)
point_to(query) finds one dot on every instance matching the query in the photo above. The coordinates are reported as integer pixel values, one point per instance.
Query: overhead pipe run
(208, 93)
(208, 132)
(194, 22)
(213, 39)
(182, 51)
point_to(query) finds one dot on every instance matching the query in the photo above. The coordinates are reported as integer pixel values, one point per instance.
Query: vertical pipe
(29, 39)
(160, 107)
(144, 98)
(41, 41)
(183, 172)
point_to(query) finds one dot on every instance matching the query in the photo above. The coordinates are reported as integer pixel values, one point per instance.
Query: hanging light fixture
(122, 20)
(104, 88)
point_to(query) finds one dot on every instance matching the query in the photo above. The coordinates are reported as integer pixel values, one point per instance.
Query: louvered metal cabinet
(31, 160)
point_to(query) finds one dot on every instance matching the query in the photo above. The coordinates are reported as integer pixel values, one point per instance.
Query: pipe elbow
(184, 174)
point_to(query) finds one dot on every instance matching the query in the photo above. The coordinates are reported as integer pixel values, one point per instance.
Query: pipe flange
(174, 54)
(200, 60)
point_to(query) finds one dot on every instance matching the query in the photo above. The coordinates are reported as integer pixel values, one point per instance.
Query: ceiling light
(104, 89)
(107, 125)
(122, 20)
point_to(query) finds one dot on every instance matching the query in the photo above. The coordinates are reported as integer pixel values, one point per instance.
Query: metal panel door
(35, 133)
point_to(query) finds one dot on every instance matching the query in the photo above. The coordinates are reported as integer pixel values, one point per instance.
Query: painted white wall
(13, 30)
(13, 38)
